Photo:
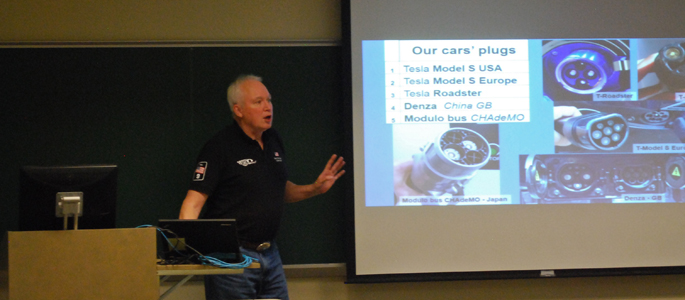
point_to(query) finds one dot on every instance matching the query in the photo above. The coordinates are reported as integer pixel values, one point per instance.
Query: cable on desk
(204, 259)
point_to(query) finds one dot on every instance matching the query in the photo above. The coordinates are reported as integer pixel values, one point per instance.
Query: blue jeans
(267, 281)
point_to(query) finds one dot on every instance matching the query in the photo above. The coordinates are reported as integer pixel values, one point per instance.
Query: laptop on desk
(213, 237)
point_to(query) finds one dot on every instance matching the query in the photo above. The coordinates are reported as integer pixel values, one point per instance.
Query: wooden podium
(83, 264)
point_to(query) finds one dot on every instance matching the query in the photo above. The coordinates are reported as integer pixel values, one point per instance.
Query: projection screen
(516, 138)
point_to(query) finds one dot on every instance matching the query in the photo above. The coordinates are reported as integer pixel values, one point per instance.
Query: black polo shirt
(243, 181)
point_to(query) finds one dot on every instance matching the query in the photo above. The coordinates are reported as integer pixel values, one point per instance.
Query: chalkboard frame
(150, 109)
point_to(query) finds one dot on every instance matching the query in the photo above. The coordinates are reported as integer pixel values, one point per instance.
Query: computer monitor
(40, 185)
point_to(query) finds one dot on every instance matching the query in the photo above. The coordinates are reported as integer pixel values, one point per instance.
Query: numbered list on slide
(457, 81)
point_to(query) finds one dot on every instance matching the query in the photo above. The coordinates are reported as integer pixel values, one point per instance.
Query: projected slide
(493, 122)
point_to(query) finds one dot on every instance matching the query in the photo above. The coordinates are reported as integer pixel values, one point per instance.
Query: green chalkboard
(149, 110)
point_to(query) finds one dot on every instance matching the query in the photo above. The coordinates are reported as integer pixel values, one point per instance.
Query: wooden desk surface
(101, 264)
(163, 270)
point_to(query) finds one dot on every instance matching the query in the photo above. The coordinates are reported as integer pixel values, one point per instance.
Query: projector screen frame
(352, 276)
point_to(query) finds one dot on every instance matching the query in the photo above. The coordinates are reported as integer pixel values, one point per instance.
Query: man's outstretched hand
(330, 174)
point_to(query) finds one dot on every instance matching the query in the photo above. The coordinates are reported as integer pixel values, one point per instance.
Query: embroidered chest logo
(277, 157)
(246, 162)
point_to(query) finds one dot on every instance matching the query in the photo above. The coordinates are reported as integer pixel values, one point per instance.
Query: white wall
(169, 20)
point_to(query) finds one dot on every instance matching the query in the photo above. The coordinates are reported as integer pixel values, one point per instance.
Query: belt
(259, 247)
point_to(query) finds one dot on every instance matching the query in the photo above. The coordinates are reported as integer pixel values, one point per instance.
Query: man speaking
(241, 174)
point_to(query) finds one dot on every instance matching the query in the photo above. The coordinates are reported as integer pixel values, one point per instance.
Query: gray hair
(235, 92)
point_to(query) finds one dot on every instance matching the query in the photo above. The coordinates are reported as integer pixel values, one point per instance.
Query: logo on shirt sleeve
(277, 157)
(200, 171)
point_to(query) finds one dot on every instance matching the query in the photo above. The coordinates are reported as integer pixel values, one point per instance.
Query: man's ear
(237, 111)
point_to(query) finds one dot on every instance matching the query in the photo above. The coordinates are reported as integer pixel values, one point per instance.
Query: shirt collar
(239, 131)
